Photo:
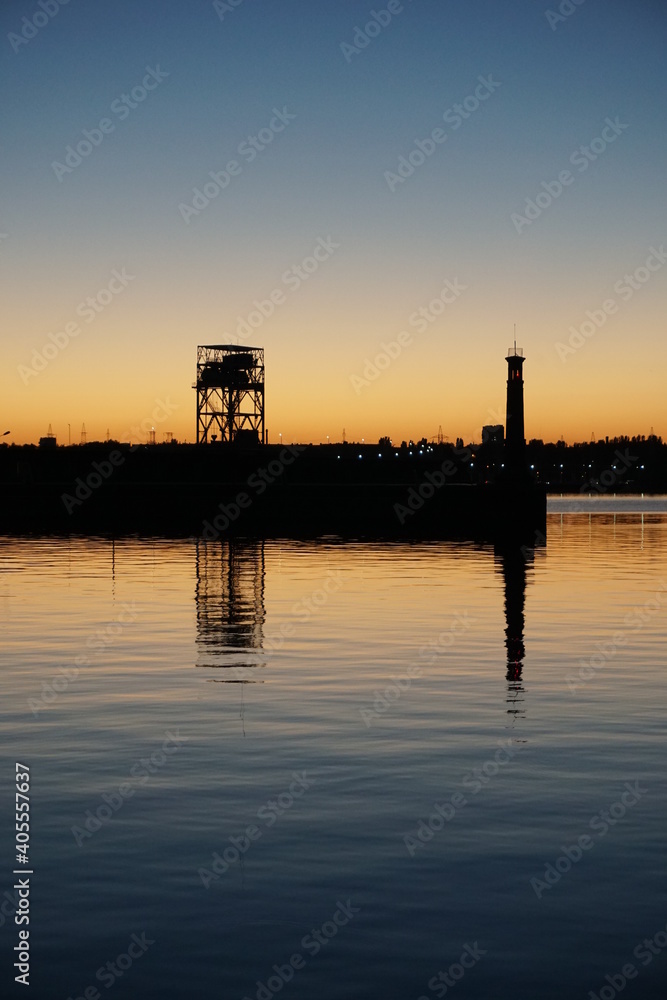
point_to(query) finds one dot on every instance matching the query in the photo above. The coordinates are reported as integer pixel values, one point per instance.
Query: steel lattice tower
(230, 394)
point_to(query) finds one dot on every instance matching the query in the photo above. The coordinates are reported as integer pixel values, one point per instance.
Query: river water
(335, 769)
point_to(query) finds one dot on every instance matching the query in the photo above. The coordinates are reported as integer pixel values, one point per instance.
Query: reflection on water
(230, 610)
(244, 611)
(514, 562)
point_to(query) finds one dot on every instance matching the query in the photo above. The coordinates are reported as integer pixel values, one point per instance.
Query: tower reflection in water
(229, 599)
(230, 611)
(515, 562)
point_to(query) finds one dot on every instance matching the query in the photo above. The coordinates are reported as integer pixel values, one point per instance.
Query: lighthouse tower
(515, 443)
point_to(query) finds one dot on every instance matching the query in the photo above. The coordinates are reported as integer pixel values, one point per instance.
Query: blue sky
(324, 176)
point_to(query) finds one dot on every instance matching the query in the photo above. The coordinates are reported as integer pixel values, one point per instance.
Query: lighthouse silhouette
(516, 470)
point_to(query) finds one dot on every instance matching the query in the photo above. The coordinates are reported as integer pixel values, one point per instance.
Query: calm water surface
(329, 696)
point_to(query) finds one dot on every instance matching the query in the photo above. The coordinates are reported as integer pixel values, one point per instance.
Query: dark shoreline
(272, 490)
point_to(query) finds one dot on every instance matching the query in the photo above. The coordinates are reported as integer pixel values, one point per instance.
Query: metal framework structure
(230, 394)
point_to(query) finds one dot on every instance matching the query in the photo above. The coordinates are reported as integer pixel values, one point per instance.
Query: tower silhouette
(515, 442)
(230, 394)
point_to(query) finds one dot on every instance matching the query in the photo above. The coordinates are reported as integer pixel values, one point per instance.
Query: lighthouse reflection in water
(515, 562)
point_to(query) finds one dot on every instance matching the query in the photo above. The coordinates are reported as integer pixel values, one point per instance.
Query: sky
(340, 183)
